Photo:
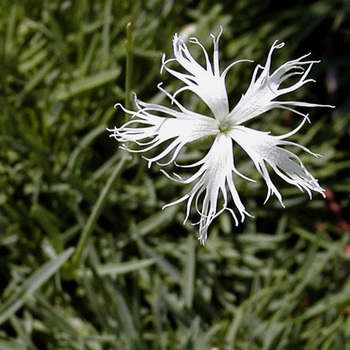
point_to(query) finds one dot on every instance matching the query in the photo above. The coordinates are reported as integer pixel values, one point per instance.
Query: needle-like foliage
(138, 279)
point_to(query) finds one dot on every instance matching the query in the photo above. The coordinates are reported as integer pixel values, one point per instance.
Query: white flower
(152, 125)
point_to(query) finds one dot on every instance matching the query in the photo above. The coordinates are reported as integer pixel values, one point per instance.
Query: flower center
(225, 126)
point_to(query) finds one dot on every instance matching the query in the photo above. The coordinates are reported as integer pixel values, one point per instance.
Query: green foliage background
(280, 281)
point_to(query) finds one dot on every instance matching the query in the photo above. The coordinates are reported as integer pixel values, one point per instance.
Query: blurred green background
(141, 280)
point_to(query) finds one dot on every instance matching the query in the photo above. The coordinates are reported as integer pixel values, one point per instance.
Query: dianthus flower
(152, 125)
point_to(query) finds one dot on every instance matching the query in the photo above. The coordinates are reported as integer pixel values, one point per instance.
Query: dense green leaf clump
(140, 280)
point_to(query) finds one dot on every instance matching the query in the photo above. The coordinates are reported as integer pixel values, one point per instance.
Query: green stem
(129, 65)
(95, 214)
(99, 205)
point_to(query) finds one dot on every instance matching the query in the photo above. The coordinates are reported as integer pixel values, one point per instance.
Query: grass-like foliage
(89, 261)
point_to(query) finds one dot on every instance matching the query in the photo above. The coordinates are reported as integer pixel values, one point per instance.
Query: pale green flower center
(225, 126)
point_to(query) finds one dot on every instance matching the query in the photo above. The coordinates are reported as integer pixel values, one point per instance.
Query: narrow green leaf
(204, 341)
(31, 284)
(188, 277)
(38, 77)
(122, 268)
(125, 316)
(95, 214)
(231, 335)
(88, 56)
(333, 247)
(85, 84)
(154, 222)
(48, 221)
(161, 262)
(34, 61)
(327, 303)
(84, 142)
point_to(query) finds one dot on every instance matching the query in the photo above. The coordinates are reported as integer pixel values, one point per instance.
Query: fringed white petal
(265, 88)
(214, 178)
(264, 148)
(206, 82)
(149, 130)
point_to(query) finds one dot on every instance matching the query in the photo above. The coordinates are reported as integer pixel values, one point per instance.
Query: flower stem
(99, 205)
(95, 214)
(129, 65)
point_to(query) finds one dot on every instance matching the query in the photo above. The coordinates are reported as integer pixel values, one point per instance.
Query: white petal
(265, 88)
(206, 82)
(263, 148)
(213, 178)
(149, 130)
